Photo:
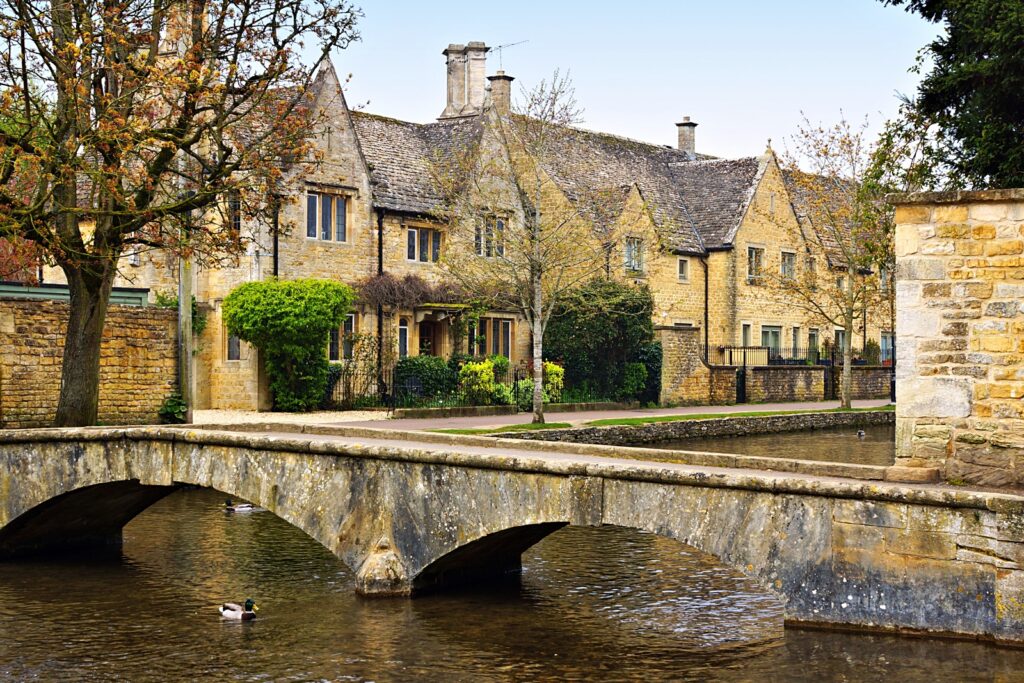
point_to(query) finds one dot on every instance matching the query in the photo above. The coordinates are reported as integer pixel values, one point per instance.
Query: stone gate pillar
(960, 335)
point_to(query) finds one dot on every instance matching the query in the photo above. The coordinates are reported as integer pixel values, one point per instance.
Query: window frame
(683, 269)
(755, 266)
(489, 237)
(791, 275)
(416, 237)
(232, 343)
(633, 255)
(322, 228)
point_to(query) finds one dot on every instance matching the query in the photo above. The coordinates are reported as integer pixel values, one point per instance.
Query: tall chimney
(456, 57)
(501, 92)
(687, 137)
(476, 70)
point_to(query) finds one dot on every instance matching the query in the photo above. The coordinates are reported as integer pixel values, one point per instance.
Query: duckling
(236, 612)
(860, 434)
(231, 506)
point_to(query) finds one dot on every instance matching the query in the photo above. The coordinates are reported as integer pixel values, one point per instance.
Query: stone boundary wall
(655, 432)
(781, 383)
(138, 362)
(870, 381)
(723, 386)
(685, 379)
(960, 334)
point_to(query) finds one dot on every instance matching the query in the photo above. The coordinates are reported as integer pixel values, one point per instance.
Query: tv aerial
(501, 48)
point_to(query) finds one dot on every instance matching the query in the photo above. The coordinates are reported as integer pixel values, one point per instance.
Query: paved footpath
(478, 422)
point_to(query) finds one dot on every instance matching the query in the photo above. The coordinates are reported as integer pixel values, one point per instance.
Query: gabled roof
(819, 201)
(399, 155)
(717, 193)
(584, 162)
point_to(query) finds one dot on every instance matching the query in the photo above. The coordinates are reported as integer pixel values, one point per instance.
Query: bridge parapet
(409, 517)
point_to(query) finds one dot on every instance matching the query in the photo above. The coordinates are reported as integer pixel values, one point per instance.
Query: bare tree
(514, 238)
(839, 281)
(130, 121)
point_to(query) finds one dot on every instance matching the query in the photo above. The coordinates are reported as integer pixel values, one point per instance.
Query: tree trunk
(538, 351)
(78, 405)
(846, 388)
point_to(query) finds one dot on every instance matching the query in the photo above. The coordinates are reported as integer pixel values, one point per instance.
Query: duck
(231, 506)
(236, 612)
(860, 434)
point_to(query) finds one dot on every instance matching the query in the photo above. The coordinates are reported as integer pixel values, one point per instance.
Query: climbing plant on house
(290, 322)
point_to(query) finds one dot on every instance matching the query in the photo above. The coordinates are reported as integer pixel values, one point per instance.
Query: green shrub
(501, 365)
(173, 409)
(651, 355)
(554, 381)
(434, 375)
(634, 381)
(524, 394)
(872, 352)
(476, 381)
(334, 371)
(502, 395)
(290, 321)
(457, 360)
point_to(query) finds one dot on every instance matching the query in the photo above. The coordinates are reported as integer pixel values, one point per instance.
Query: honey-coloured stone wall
(138, 361)
(960, 334)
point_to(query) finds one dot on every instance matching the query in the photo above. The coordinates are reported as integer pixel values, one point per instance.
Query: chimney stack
(687, 137)
(467, 66)
(501, 92)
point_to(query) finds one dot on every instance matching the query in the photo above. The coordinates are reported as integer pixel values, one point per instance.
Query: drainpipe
(704, 262)
(381, 387)
(275, 231)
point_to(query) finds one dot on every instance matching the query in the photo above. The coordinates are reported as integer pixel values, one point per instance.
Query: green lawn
(525, 427)
(712, 416)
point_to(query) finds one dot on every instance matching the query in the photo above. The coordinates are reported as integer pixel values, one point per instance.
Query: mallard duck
(231, 610)
(231, 506)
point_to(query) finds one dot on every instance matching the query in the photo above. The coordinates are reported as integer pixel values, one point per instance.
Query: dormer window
(423, 245)
(489, 240)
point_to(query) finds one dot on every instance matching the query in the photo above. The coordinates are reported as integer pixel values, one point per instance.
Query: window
(884, 276)
(423, 244)
(812, 272)
(234, 348)
(235, 212)
(326, 217)
(340, 346)
(841, 283)
(812, 339)
(491, 336)
(888, 344)
(771, 336)
(403, 337)
(755, 262)
(745, 337)
(840, 338)
(796, 339)
(134, 256)
(684, 270)
(490, 238)
(634, 253)
(788, 265)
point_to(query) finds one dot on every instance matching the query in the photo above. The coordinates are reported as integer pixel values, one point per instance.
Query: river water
(603, 604)
(876, 446)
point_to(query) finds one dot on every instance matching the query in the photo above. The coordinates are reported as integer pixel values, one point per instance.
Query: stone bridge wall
(960, 334)
(416, 516)
(137, 362)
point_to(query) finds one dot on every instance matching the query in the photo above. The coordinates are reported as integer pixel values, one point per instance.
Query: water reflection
(877, 445)
(593, 604)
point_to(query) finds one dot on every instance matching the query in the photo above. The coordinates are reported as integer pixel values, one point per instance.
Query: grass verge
(711, 416)
(525, 427)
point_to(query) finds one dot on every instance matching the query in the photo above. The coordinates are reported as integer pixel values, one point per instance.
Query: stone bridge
(408, 516)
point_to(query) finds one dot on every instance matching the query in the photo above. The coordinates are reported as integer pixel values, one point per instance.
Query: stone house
(690, 226)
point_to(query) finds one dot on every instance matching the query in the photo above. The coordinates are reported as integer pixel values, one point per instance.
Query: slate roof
(816, 203)
(400, 154)
(696, 205)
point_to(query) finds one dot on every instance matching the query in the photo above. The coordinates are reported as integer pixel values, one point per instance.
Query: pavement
(578, 418)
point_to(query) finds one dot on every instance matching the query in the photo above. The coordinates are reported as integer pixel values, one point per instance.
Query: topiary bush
(431, 372)
(290, 322)
(476, 382)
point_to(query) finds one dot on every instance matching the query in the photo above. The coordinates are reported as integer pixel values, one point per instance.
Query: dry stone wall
(960, 334)
(138, 361)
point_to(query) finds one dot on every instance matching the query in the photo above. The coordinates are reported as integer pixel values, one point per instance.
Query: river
(605, 604)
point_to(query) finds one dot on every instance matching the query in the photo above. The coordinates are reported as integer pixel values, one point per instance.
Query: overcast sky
(742, 69)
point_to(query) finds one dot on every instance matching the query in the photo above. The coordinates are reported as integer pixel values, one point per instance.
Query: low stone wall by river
(627, 435)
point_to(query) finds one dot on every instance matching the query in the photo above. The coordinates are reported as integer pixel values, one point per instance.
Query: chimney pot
(687, 137)
(467, 65)
(501, 92)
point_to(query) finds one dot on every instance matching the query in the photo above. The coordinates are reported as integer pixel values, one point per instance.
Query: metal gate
(741, 385)
(831, 382)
